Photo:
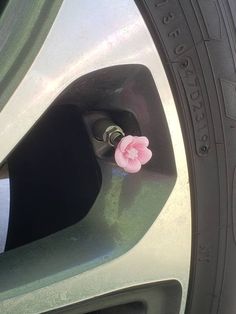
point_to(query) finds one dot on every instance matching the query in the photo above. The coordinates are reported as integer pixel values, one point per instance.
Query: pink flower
(132, 152)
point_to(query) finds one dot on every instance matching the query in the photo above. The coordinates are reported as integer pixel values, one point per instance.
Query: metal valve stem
(105, 130)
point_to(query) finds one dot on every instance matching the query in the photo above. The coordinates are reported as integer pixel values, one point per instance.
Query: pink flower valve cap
(132, 152)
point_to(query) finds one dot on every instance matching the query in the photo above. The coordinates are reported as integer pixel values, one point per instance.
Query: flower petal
(124, 142)
(143, 140)
(120, 158)
(133, 166)
(144, 155)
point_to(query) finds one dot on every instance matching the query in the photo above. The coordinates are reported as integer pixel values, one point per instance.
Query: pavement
(4, 210)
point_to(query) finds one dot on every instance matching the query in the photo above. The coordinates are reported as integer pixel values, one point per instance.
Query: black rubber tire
(197, 43)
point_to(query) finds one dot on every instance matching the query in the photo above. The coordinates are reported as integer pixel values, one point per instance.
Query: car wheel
(83, 235)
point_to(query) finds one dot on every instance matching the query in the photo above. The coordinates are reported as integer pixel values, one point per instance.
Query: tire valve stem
(131, 152)
(107, 131)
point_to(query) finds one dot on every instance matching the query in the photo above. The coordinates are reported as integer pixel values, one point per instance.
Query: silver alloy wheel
(89, 37)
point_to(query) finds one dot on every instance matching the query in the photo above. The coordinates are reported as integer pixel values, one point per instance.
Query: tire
(196, 40)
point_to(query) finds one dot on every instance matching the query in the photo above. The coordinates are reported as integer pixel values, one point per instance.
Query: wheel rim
(164, 251)
(23, 27)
